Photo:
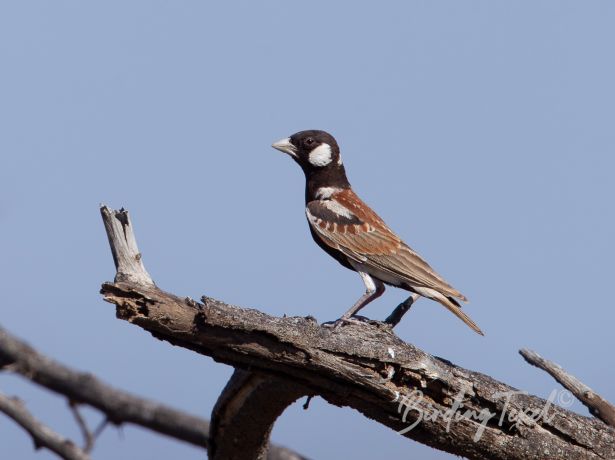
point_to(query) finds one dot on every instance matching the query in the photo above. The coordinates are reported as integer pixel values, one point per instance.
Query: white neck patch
(325, 192)
(321, 155)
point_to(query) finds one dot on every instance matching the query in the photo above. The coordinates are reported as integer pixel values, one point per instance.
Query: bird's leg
(395, 317)
(374, 288)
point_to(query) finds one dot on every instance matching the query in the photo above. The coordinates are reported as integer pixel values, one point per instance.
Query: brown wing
(347, 224)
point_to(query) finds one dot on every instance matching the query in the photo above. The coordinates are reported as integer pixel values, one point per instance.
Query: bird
(353, 234)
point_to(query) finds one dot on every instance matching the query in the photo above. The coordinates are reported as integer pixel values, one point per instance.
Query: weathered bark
(351, 367)
(365, 366)
(249, 405)
(243, 417)
(597, 405)
(126, 255)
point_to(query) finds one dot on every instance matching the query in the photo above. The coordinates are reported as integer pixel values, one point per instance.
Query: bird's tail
(454, 307)
(451, 304)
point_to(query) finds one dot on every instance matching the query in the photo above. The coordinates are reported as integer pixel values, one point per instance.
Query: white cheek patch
(321, 155)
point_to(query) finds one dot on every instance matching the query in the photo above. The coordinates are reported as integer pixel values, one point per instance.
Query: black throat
(331, 176)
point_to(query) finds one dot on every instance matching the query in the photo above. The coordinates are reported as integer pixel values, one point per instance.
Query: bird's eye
(309, 141)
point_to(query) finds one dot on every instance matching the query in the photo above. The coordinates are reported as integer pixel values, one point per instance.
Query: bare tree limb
(365, 366)
(118, 406)
(42, 435)
(597, 405)
(249, 405)
(243, 417)
(370, 369)
(126, 255)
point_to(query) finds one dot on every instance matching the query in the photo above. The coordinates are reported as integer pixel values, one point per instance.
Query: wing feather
(359, 233)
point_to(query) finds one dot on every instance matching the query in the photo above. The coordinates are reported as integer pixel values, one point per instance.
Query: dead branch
(367, 367)
(126, 255)
(370, 369)
(246, 410)
(597, 405)
(396, 315)
(243, 417)
(42, 436)
(117, 405)
(84, 388)
(89, 438)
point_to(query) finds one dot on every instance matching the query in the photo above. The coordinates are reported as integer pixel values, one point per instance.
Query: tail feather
(454, 307)
(451, 304)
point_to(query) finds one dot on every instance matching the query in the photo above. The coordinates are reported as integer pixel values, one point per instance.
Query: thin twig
(88, 438)
(42, 435)
(395, 317)
(597, 405)
(117, 405)
(100, 428)
(83, 388)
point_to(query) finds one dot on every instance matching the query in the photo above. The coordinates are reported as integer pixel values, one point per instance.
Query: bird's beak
(284, 145)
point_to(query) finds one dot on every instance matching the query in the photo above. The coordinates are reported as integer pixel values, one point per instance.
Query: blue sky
(482, 132)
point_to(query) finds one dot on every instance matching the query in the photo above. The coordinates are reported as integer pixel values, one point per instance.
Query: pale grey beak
(284, 145)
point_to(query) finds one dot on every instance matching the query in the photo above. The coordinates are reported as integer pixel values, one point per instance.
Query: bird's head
(313, 150)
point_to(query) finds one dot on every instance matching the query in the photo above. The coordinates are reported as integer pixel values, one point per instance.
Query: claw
(340, 322)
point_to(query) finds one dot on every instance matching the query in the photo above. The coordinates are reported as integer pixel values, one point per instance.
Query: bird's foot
(345, 320)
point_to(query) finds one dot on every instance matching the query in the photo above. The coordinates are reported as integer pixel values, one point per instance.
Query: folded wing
(347, 224)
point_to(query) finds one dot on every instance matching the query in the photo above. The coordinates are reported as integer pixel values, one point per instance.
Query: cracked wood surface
(244, 415)
(367, 367)
(248, 407)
